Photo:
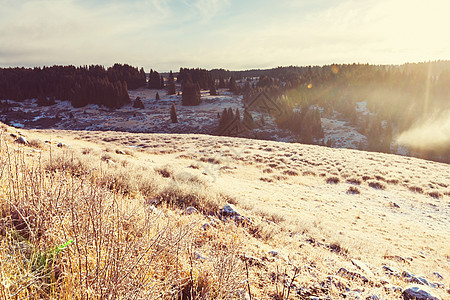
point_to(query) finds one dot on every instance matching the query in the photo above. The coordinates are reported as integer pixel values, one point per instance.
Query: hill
(140, 215)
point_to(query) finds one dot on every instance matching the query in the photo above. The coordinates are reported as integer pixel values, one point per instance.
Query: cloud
(221, 33)
(207, 9)
(76, 32)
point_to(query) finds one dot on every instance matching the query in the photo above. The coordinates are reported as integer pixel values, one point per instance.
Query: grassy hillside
(139, 216)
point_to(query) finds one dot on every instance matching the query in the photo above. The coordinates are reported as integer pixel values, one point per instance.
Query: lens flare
(335, 69)
(309, 85)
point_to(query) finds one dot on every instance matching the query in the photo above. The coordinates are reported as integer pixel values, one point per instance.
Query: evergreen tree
(238, 115)
(162, 82)
(222, 83)
(157, 96)
(198, 76)
(233, 86)
(173, 113)
(171, 85)
(154, 80)
(191, 94)
(138, 103)
(212, 88)
(248, 120)
(226, 118)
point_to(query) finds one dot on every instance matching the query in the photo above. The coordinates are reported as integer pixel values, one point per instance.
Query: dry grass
(165, 171)
(36, 143)
(64, 235)
(353, 190)
(310, 173)
(377, 185)
(211, 160)
(416, 189)
(392, 181)
(266, 179)
(333, 180)
(354, 181)
(290, 173)
(435, 195)
(200, 254)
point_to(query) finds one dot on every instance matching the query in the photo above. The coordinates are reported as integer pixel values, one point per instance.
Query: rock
(338, 282)
(199, 256)
(120, 152)
(61, 145)
(190, 210)
(363, 267)
(390, 288)
(417, 279)
(343, 272)
(391, 271)
(230, 211)
(206, 226)
(373, 297)
(273, 253)
(418, 292)
(22, 140)
(439, 276)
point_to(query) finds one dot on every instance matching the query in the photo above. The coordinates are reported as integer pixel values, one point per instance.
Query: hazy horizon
(165, 35)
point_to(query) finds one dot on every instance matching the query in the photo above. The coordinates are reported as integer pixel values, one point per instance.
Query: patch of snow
(17, 125)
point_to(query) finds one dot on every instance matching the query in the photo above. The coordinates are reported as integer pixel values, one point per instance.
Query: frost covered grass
(295, 222)
(73, 231)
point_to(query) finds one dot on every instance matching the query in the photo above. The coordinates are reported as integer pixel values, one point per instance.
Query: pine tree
(171, 90)
(222, 83)
(212, 88)
(157, 96)
(238, 115)
(173, 113)
(162, 82)
(191, 94)
(226, 118)
(154, 80)
(248, 120)
(138, 103)
(233, 86)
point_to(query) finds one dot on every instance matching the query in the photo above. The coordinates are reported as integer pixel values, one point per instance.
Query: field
(313, 221)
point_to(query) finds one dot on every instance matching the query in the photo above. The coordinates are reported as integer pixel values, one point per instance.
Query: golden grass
(68, 232)
(197, 255)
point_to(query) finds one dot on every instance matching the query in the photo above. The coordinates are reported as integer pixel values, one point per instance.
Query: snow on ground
(155, 118)
(361, 107)
(342, 134)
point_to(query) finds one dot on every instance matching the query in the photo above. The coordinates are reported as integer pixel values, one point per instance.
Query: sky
(231, 34)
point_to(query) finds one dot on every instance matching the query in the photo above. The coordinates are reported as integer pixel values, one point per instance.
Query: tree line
(79, 85)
